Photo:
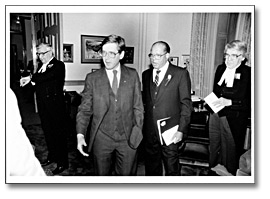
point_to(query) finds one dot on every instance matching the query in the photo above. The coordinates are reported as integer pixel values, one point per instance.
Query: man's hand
(25, 80)
(178, 136)
(80, 144)
(222, 102)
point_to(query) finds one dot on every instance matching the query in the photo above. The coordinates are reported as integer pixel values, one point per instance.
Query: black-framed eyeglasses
(156, 56)
(42, 53)
(233, 56)
(110, 54)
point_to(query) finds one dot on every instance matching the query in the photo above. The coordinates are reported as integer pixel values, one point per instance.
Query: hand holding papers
(167, 127)
(211, 100)
(25, 80)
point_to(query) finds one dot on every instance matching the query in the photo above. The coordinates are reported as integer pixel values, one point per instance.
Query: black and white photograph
(143, 94)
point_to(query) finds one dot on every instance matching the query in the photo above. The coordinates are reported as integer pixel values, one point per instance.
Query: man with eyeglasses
(167, 97)
(112, 98)
(49, 83)
(227, 128)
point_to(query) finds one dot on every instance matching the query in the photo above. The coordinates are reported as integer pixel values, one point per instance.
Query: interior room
(197, 41)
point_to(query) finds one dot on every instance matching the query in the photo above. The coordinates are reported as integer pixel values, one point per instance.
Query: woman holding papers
(227, 127)
(168, 106)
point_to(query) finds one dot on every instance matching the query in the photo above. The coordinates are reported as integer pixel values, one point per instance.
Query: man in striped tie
(166, 90)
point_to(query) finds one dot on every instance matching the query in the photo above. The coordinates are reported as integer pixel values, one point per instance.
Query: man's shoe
(46, 163)
(59, 169)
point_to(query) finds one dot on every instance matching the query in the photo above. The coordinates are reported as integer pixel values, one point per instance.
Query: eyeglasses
(156, 56)
(233, 56)
(110, 54)
(42, 53)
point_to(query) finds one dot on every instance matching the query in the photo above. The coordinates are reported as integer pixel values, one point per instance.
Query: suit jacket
(240, 93)
(172, 100)
(95, 103)
(50, 83)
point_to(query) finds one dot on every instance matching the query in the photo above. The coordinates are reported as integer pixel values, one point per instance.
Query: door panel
(48, 31)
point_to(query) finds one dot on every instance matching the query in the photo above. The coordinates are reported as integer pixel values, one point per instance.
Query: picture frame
(90, 45)
(185, 60)
(68, 53)
(129, 55)
(174, 60)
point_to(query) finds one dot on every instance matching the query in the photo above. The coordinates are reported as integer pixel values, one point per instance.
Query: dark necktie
(157, 77)
(115, 82)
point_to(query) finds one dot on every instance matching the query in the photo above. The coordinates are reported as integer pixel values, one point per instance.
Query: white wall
(175, 29)
(140, 30)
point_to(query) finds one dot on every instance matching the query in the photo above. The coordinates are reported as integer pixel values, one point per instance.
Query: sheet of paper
(210, 99)
(168, 135)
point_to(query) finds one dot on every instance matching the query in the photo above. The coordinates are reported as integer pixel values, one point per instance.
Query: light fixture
(18, 20)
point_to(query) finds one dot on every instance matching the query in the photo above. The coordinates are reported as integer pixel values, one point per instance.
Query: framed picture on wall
(90, 45)
(129, 55)
(185, 60)
(174, 60)
(68, 52)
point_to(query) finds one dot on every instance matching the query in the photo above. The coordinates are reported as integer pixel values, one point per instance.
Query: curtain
(198, 52)
(203, 48)
(244, 32)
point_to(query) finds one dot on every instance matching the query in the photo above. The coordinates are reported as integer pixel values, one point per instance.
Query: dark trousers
(226, 142)
(124, 163)
(52, 116)
(156, 153)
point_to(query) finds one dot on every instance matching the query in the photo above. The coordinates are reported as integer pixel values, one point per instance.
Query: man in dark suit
(166, 94)
(112, 97)
(49, 82)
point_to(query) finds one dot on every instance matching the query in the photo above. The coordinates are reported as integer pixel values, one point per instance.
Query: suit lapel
(123, 86)
(150, 86)
(165, 82)
(104, 86)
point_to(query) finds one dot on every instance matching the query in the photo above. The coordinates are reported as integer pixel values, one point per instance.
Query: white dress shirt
(162, 73)
(110, 74)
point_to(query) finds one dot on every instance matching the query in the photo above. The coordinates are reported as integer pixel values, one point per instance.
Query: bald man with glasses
(166, 95)
(49, 84)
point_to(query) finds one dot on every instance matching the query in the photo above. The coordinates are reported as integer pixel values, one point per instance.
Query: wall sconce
(18, 20)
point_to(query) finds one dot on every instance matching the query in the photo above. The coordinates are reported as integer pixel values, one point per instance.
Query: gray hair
(238, 45)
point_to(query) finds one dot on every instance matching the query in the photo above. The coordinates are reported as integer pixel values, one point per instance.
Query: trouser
(52, 118)
(104, 149)
(156, 154)
(222, 146)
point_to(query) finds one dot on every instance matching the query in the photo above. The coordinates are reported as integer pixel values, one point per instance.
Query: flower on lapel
(168, 79)
(50, 65)
(237, 76)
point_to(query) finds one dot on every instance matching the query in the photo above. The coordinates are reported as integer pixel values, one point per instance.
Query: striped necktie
(115, 82)
(157, 77)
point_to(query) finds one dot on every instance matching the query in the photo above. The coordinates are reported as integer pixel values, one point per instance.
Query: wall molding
(74, 82)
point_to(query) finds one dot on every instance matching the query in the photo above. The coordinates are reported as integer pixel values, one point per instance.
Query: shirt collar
(48, 62)
(117, 68)
(163, 68)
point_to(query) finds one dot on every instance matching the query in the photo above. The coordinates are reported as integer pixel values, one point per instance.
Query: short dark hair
(167, 48)
(120, 41)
